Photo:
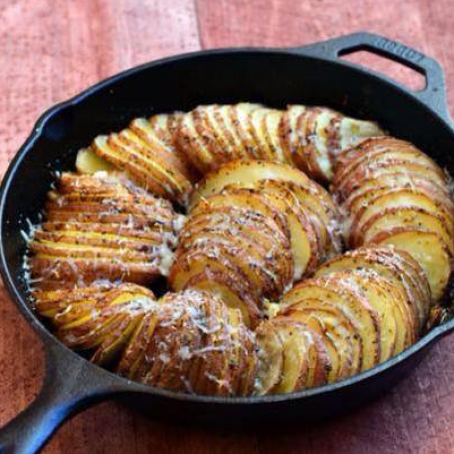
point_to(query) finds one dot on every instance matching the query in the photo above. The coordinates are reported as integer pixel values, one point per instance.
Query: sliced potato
(406, 217)
(396, 325)
(98, 318)
(331, 292)
(314, 137)
(192, 344)
(159, 135)
(240, 115)
(378, 170)
(246, 172)
(100, 227)
(87, 161)
(164, 126)
(297, 360)
(396, 266)
(429, 251)
(398, 180)
(271, 358)
(398, 199)
(343, 349)
(385, 150)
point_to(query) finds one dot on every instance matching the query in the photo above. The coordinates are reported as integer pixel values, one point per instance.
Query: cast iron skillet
(309, 75)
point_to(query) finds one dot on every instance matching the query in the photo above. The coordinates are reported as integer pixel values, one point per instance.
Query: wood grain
(52, 49)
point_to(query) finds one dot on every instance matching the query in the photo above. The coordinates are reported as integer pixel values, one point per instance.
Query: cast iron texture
(276, 77)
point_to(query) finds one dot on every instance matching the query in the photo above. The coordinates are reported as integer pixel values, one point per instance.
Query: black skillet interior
(311, 75)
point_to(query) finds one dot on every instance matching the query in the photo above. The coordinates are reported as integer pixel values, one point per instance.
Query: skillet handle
(68, 386)
(433, 94)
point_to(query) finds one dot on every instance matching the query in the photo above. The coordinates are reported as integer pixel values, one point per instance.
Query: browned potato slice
(244, 199)
(98, 318)
(272, 123)
(164, 126)
(50, 303)
(249, 377)
(232, 292)
(159, 135)
(318, 374)
(297, 361)
(291, 131)
(332, 293)
(109, 231)
(397, 331)
(402, 181)
(240, 122)
(408, 265)
(271, 358)
(383, 152)
(429, 251)
(405, 217)
(398, 199)
(100, 227)
(193, 146)
(97, 240)
(188, 268)
(315, 136)
(151, 170)
(212, 130)
(189, 345)
(377, 170)
(250, 252)
(53, 272)
(216, 352)
(316, 157)
(260, 229)
(226, 116)
(306, 362)
(229, 136)
(395, 266)
(261, 273)
(338, 334)
(258, 128)
(305, 245)
(312, 209)
(123, 159)
(238, 361)
(368, 145)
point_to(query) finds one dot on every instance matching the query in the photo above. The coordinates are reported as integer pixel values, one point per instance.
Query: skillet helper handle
(68, 387)
(433, 94)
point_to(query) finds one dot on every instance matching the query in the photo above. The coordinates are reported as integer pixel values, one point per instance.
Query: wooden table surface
(52, 49)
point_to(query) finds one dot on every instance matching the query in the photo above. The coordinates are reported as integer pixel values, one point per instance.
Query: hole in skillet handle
(432, 94)
(402, 74)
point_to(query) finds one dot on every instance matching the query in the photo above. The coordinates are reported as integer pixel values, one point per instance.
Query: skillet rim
(129, 386)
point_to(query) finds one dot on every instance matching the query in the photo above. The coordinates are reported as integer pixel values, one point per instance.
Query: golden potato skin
(101, 227)
(309, 138)
(393, 194)
(100, 318)
(361, 309)
(193, 344)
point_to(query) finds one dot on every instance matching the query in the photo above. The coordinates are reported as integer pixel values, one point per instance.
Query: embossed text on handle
(399, 50)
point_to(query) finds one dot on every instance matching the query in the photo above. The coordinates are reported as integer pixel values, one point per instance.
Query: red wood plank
(423, 24)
